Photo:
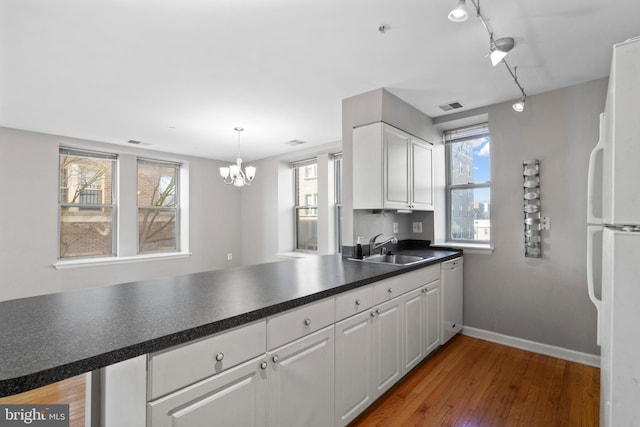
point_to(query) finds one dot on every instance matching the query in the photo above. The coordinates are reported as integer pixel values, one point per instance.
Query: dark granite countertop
(48, 338)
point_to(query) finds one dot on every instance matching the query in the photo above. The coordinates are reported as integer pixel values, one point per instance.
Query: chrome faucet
(373, 245)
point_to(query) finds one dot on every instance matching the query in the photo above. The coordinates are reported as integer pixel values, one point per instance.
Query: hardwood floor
(468, 383)
(71, 391)
(476, 383)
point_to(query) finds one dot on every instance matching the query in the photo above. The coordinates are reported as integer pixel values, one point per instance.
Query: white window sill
(295, 255)
(92, 262)
(468, 248)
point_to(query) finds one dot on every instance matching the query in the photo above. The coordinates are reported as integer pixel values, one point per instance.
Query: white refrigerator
(617, 219)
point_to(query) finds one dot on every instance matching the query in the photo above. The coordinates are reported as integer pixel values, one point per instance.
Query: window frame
(90, 154)
(175, 207)
(450, 137)
(337, 199)
(296, 166)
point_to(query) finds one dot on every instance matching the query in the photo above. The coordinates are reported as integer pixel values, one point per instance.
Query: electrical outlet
(229, 256)
(417, 227)
(395, 228)
(545, 224)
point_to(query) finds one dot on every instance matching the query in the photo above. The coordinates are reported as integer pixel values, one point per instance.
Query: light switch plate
(396, 229)
(417, 227)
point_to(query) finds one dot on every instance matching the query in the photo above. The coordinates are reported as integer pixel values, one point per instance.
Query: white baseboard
(536, 347)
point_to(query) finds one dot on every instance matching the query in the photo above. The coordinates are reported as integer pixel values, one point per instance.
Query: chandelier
(233, 174)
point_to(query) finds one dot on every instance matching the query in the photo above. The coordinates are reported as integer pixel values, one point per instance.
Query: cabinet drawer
(234, 397)
(416, 278)
(353, 302)
(387, 289)
(296, 323)
(172, 369)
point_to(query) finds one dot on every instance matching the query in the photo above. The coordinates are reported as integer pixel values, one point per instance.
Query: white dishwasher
(451, 278)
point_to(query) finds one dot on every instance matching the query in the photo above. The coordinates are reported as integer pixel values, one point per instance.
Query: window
(337, 169)
(306, 205)
(468, 184)
(86, 204)
(158, 206)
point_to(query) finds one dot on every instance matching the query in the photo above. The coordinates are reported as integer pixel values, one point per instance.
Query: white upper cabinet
(391, 169)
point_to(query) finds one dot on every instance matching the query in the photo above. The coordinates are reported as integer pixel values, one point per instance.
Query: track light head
(459, 13)
(500, 48)
(519, 106)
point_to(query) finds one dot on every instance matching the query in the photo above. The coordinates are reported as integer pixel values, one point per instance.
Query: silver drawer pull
(307, 322)
(219, 357)
(358, 302)
(390, 290)
(372, 314)
(378, 312)
(263, 365)
(275, 358)
(424, 290)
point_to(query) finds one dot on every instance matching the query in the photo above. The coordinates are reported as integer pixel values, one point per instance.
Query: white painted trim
(536, 347)
(91, 262)
(468, 248)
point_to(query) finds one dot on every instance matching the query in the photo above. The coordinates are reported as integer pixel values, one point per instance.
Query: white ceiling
(179, 75)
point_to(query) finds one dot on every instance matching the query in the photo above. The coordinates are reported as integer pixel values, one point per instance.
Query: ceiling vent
(451, 106)
(295, 142)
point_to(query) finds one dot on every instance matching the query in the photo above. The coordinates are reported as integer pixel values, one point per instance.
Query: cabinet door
(354, 366)
(431, 301)
(422, 172)
(388, 345)
(300, 387)
(236, 397)
(396, 168)
(414, 334)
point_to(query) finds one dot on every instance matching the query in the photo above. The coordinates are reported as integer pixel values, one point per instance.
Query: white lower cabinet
(421, 327)
(432, 315)
(368, 358)
(236, 397)
(311, 371)
(354, 366)
(414, 328)
(387, 341)
(301, 382)
(289, 386)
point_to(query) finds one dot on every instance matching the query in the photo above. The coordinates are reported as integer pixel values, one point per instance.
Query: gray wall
(541, 300)
(267, 221)
(28, 218)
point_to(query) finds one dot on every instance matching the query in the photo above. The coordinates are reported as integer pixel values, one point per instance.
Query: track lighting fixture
(459, 13)
(498, 47)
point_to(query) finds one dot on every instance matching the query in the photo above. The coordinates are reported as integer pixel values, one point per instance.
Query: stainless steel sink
(394, 259)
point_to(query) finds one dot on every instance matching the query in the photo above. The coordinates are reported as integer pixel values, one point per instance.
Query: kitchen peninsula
(52, 337)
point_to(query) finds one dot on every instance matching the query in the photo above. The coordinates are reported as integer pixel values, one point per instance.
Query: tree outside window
(86, 204)
(158, 206)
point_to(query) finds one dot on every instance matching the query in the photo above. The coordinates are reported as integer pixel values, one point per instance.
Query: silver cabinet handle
(390, 290)
(358, 302)
(307, 322)
(263, 365)
(424, 290)
(219, 357)
(378, 312)
(275, 358)
(372, 314)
